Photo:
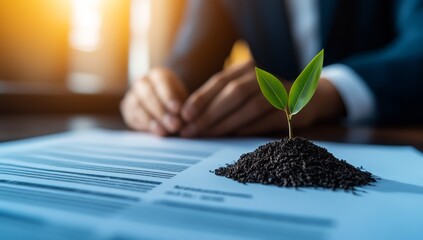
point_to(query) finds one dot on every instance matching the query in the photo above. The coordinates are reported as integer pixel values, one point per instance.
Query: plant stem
(288, 117)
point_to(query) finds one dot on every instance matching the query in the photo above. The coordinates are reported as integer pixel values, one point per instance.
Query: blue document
(103, 184)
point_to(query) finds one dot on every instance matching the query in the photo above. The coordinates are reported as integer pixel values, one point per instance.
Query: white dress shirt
(356, 95)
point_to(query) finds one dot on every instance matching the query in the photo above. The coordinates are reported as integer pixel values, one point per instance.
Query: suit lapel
(289, 41)
(327, 10)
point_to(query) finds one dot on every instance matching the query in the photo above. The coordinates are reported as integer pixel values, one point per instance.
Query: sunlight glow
(86, 25)
(139, 61)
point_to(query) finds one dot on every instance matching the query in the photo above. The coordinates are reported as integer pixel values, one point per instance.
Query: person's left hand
(231, 102)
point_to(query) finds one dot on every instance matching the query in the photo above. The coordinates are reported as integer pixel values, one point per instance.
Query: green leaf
(272, 89)
(305, 85)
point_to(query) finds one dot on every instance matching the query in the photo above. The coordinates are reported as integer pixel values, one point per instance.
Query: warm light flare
(86, 25)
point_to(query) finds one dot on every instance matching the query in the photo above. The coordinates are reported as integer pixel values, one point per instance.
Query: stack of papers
(103, 184)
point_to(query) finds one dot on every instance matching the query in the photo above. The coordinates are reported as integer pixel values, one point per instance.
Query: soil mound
(296, 162)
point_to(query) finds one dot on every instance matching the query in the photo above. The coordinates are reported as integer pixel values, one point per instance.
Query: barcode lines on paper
(201, 154)
(103, 161)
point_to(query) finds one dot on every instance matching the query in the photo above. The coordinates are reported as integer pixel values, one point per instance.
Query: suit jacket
(382, 40)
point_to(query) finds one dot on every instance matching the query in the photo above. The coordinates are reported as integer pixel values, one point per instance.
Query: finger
(199, 100)
(228, 101)
(256, 108)
(128, 106)
(269, 123)
(137, 118)
(149, 101)
(169, 89)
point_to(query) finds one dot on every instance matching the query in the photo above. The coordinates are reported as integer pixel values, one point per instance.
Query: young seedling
(301, 92)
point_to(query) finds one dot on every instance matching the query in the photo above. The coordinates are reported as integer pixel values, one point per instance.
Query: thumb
(169, 89)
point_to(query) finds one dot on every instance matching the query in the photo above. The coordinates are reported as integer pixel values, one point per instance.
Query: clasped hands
(229, 103)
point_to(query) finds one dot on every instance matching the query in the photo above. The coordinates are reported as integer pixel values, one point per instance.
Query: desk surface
(14, 127)
(70, 190)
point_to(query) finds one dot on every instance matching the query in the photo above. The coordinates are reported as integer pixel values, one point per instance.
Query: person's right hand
(154, 101)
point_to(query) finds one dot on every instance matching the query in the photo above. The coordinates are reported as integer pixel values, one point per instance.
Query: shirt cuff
(358, 99)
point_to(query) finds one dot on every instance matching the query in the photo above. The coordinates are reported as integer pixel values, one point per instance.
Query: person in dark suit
(373, 66)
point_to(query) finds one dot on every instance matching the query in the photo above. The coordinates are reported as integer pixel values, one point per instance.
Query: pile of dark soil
(295, 162)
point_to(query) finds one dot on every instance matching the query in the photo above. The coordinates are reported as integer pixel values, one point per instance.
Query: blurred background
(62, 61)
(80, 55)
